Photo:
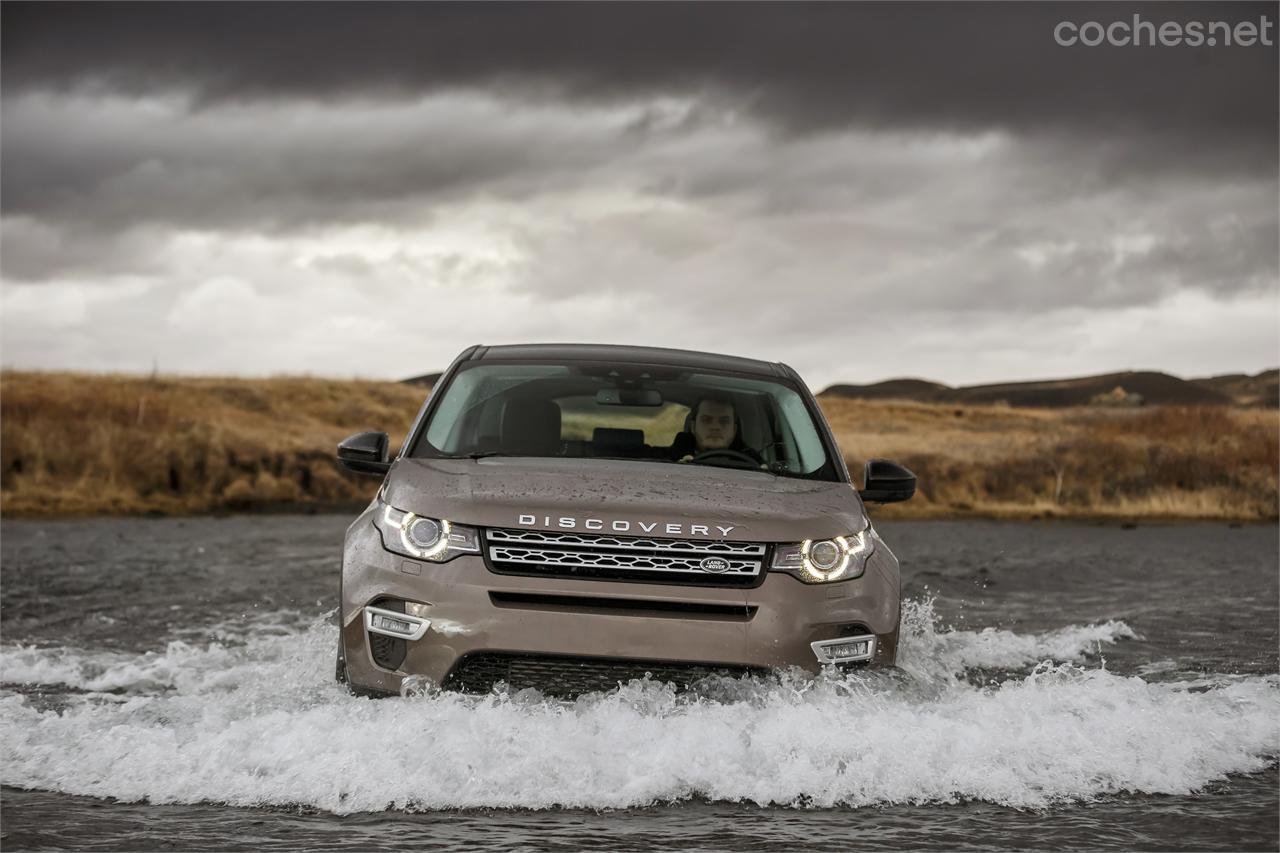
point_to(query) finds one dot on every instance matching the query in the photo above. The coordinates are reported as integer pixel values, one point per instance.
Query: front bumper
(474, 611)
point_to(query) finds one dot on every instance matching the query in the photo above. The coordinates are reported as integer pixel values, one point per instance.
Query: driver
(715, 427)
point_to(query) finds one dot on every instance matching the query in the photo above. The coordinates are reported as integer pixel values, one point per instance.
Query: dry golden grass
(77, 444)
(1167, 462)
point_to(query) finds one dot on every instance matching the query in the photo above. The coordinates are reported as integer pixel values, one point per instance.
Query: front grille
(542, 553)
(565, 675)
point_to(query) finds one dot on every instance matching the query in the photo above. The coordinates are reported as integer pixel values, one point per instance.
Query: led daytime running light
(825, 574)
(402, 525)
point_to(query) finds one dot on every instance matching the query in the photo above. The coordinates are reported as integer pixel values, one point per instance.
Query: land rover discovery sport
(559, 518)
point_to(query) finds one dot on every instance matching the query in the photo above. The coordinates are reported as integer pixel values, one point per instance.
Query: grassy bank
(74, 444)
(1159, 462)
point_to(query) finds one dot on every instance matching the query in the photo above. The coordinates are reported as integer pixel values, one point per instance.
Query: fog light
(394, 624)
(845, 649)
(389, 623)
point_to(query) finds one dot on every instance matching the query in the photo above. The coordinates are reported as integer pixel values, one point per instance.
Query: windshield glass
(643, 412)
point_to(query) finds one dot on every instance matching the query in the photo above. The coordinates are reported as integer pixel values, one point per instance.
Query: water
(167, 684)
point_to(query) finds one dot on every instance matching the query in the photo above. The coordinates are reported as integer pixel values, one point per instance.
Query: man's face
(713, 427)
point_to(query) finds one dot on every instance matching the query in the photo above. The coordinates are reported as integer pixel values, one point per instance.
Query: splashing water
(254, 718)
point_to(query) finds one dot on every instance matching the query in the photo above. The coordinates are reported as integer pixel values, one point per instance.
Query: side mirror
(887, 482)
(365, 453)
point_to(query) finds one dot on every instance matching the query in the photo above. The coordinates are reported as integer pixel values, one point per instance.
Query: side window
(443, 430)
(463, 415)
(808, 442)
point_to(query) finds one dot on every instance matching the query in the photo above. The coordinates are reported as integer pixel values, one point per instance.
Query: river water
(167, 684)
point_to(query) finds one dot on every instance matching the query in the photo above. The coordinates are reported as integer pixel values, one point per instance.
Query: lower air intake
(388, 652)
(571, 676)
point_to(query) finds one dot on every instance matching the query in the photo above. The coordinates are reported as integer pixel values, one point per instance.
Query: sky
(863, 191)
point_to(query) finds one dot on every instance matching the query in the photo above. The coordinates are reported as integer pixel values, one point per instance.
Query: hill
(1262, 389)
(893, 389)
(1153, 388)
(1132, 388)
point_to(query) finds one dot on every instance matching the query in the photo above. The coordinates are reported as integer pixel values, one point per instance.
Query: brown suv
(569, 517)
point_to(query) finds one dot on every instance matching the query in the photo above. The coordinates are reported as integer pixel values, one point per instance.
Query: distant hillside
(1260, 390)
(1126, 389)
(893, 389)
(1154, 389)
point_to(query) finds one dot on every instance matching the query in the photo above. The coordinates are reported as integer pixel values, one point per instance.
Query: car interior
(573, 417)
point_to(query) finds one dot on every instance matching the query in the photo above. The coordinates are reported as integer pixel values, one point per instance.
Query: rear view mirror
(365, 453)
(629, 397)
(886, 482)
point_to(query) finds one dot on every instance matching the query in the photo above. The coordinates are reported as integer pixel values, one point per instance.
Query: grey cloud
(694, 211)
(77, 171)
(864, 221)
(939, 183)
(812, 65)
(120, 117)
(117, 160)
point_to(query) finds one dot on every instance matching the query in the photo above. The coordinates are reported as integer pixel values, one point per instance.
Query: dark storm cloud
(175, 177)
(111, 162)
(78, 170)
(948, 65)
(79, 158)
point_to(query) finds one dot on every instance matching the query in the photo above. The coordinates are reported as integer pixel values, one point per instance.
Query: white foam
(256, 720)
(245, 651)
(926, 650)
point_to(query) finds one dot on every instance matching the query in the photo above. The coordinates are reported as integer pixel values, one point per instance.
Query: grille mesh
(579, 555)
(548, 537)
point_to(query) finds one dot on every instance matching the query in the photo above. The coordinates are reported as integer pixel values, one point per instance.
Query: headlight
(822, 560)
(423, 538)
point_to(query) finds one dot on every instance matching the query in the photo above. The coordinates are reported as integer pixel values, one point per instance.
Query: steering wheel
(726, 453)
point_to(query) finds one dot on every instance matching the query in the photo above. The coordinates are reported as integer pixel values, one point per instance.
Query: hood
(630, 498)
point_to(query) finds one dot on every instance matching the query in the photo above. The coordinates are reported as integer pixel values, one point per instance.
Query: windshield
(643, 412)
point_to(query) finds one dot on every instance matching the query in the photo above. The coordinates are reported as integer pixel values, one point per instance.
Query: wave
(253, 718)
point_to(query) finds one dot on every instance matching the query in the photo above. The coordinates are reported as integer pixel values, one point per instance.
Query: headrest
(531, 426)
(607, 440)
